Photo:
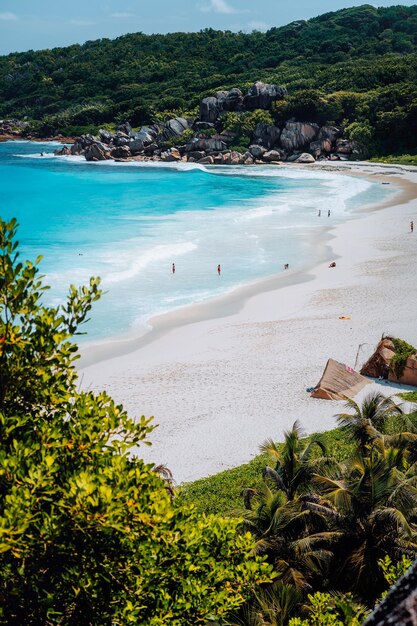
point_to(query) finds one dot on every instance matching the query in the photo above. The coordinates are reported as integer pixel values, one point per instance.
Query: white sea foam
(37, 155)
(142, 261)
(263, 211)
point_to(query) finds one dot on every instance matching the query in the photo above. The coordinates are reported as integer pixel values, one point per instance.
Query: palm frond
(248, 494)
(400, 440)
(315, 440)
(326, 511)
(391, 516)
(268, 472)
(270, 447)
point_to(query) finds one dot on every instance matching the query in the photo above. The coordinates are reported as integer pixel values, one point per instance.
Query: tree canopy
(357, 65)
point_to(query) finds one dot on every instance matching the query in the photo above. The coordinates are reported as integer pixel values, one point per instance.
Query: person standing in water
(411, 226)
(219, 269)
(328, 213)
(319, 213)
(173, 268)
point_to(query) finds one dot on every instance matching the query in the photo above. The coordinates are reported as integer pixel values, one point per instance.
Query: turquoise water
(129, 222)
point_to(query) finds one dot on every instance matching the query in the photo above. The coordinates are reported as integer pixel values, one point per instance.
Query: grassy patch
(402, 159)
(408, 396)
(221, 493)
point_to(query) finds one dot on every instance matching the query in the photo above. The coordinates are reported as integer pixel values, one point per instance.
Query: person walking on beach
(173, 268)
(411, 226)
(219, 269)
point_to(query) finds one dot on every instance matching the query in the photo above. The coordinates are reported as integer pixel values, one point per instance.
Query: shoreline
(222, 382)
(232, 301)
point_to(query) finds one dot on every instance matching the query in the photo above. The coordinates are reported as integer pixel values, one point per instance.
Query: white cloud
(76, 22)
(258, 25)
(218, 6)
(121, 15)
(8, 16)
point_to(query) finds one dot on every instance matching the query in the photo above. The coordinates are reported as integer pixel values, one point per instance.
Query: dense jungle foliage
(356, 67)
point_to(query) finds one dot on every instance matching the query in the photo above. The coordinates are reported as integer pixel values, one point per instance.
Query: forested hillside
(355, 65)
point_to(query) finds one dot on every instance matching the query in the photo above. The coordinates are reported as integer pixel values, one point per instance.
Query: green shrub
(325, 609)
(88, 531)
(402, 351)
(240, 147)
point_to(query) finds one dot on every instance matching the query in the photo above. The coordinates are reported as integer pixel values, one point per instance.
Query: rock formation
(13, 128)
(344, 146)
(97, 152)
(261, 96)
(147, 134)
(298, 135)
(171, 155)
(329, 132)
(257, 151)
(266, 134)
(215, 143)
(212, 141)
(379, 365)
(305, 157)
(230, 100)
(321, 146)
(209, 109)
(173, 128)
(274, 155)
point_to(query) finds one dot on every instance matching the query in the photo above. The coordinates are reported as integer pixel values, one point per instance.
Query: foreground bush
(88, 532)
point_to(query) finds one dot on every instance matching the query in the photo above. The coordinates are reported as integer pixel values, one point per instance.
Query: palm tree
(281, 527)
(294, 464)
(166, 475)
(271, 606)
(370, 505)
(368, 421)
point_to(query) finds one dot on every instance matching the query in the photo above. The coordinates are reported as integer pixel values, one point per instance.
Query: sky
(38, 24)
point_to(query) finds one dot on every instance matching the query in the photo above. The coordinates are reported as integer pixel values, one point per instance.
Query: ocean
(128, 223)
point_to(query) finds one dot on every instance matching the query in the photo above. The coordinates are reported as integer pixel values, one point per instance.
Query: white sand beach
(223, 376)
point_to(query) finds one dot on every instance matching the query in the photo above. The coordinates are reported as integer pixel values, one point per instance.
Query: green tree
(282, 530)
(295, 463)
(368, 421)
(88, 532)
(393, 571)
(272, 606)
(369, 504)
(325, 609)
(362, 134)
